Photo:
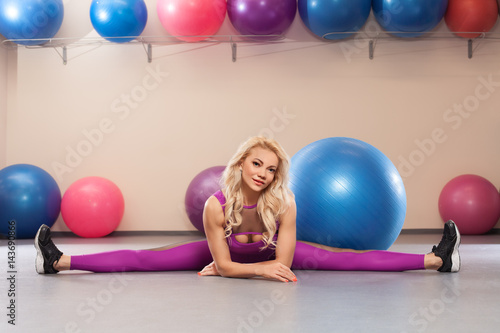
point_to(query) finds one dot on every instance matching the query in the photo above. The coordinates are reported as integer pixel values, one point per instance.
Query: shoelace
(447, 237)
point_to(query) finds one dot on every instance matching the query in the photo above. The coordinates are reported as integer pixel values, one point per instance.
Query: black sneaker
(46, 252)
(447, 249)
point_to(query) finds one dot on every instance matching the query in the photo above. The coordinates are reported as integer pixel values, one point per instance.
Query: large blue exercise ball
(30, 197)
(30, 22)
(119, 21)
(348, 195)
(322, 17)
(411, 17)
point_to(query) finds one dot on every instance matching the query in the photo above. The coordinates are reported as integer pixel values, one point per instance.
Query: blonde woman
(250, 229)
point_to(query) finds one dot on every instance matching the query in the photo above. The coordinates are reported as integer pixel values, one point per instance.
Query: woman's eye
(255, 163)
(272, 170)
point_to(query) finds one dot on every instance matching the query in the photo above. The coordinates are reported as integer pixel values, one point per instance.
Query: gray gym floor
(420, 301)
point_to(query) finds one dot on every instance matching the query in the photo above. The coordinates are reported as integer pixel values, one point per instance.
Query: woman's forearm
(272, 269)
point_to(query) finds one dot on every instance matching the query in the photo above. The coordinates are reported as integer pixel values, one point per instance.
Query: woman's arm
(287, 235)
(213, 222)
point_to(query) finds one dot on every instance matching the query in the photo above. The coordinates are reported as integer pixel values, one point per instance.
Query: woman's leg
(319, 257)
(444, 257)
(186, 256)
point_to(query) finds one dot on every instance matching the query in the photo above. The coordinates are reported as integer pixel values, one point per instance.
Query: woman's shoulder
(213, 212)
(219, 195)
(290, 209)
(213, 205)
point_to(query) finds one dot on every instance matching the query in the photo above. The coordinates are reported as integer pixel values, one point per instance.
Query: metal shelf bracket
(63, 55)
(234, 49)
(371, 48)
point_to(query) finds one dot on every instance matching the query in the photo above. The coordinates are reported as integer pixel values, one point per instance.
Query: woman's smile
(258, 182)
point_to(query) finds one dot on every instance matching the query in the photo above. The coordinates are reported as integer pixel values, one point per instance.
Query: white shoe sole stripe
(39, 256)
(455, 256)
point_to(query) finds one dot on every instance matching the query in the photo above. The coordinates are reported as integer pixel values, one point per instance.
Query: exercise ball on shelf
(348, 195)
(119, 21)
(472, 202)
(322, 17)
(92, 207)
(191, 21)
(30, 22)
(261, 17)
(203, 185)
(464, 17)
(409, 18)
(29, 197)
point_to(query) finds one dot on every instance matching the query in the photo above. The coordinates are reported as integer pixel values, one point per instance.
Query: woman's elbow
(223, 270)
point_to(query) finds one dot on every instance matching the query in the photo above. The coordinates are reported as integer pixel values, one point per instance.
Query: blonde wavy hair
(272, 202)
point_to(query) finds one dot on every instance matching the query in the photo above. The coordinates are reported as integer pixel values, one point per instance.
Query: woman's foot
(47, 252)
(447, 249)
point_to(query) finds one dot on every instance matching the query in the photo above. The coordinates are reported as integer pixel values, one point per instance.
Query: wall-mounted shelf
(61, 45)
(373, 37)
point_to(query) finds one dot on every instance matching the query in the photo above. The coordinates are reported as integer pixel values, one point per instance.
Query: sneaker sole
(455, 256)
(39, 257)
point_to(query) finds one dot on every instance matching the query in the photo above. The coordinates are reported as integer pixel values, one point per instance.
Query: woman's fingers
(283, 273)
(209, 269)
(288, 274)
(206, 270)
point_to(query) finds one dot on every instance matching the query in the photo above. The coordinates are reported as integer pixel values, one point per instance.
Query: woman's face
(259, 168)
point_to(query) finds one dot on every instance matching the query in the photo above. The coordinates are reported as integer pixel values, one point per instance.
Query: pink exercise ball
(472, 202)
(92, 207)
(199, 18)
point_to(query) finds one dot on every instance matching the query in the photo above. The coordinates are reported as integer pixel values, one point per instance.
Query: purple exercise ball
(261, 17)
(199, 190)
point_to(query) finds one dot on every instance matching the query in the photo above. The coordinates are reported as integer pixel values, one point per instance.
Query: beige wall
(151, 128)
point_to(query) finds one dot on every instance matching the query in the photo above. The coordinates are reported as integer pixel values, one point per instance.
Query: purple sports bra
(247, 252)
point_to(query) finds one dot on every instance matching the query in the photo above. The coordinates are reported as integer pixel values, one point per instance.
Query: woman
(241, 224)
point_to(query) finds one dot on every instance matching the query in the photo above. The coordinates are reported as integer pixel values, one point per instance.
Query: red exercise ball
(92, 207)
(465, 16)
(472, 202)
(197, 18)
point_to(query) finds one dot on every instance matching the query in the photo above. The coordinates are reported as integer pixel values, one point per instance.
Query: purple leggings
(196, 255)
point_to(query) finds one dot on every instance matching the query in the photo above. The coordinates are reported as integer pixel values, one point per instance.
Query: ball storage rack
(63, 45)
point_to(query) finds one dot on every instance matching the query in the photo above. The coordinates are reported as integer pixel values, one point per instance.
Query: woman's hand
(268, 270)
(209, 270)
(276, 271)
